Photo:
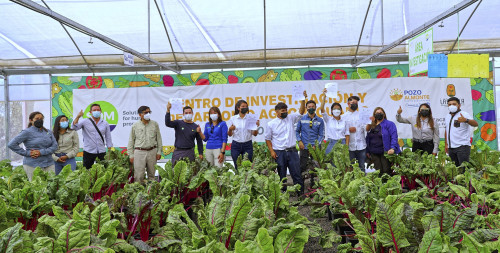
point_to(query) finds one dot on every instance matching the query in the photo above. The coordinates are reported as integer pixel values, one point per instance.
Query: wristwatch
(467, 121)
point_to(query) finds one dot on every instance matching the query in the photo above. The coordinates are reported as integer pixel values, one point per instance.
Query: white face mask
(336, 112)
(188, 117)
(453, 108)
(214, 117)
(147, 116)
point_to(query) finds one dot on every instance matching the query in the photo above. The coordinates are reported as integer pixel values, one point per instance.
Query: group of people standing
(51, 151)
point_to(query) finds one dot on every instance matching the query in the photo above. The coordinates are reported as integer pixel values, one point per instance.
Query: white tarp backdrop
(120, 104)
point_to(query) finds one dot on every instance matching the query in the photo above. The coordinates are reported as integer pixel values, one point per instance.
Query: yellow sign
(468, 65)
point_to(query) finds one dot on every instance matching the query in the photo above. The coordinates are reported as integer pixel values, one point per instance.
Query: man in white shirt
(281, 141)
(458, 132)
(357, 130)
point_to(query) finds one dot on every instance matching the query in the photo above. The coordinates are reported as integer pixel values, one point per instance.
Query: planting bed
(427, 205)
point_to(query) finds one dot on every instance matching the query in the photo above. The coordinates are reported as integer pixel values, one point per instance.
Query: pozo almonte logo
(396, 94)
(108, 114)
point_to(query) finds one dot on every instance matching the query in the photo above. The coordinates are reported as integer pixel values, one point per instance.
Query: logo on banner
(451, 91)
(108, 113)
(411, 98)
(396, 94)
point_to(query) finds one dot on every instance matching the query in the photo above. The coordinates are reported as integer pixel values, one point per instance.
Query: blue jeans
(332, 143)
(289, 159)
(240, 148)
(359, 155)
(59, 166)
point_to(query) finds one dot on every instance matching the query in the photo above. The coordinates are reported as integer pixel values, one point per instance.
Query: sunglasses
(211, 129)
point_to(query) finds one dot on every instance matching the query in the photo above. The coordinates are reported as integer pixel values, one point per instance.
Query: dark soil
(313, 244)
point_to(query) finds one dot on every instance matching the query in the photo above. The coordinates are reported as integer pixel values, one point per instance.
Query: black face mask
(244, 110)
(424, 113)
(38, 123)
(354, 107)
(284, 115)
(379, 116)
(311, 110)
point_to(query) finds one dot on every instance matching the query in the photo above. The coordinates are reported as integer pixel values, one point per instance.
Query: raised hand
(169, 106)
(198, 129)
(400, 110)
(462, 119)
(232, 127)
(80, 114)
(305, 94)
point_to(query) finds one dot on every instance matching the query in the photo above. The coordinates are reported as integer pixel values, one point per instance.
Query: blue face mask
(64, 124)
(96, 114)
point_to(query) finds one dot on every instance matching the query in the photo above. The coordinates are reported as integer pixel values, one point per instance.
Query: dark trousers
(89, 158)
(460, 154)
(289, 159)
(427, 146)
(182, 153)
(240, 148)
(306, 164)
(381, 163)
(360, 156)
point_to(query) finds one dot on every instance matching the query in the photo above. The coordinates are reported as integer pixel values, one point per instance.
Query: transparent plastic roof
(201, 29)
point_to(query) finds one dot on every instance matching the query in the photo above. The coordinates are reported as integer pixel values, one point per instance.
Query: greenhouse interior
(286, 174)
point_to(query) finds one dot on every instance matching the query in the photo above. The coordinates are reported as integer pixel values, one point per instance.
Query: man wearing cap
(144, 145)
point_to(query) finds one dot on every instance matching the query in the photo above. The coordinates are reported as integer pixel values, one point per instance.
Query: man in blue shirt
(95, 131)
(310, 129)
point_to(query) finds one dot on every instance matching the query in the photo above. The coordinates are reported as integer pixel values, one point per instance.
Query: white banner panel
(120, 104)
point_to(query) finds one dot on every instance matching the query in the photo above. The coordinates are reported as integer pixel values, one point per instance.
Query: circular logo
(108, 113)
(396, 94)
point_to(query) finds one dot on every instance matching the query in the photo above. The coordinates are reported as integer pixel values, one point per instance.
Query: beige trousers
(144, 160)
(212, 156)
(29, 170)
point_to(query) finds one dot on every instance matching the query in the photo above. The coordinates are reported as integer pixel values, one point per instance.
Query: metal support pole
(149, 28)
(168, 36)
(461, 31)
(382, 19)
(85, 30)
(7, 116)
(74, 42)
(361, 33)
(50, 100)
(450, 12)
(495, 92)
(265, 37)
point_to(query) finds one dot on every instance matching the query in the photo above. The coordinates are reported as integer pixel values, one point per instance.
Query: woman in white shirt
(425, 131)
(336, 128)
(242, 138)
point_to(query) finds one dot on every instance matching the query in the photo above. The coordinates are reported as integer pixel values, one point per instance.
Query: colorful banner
(482, 89)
